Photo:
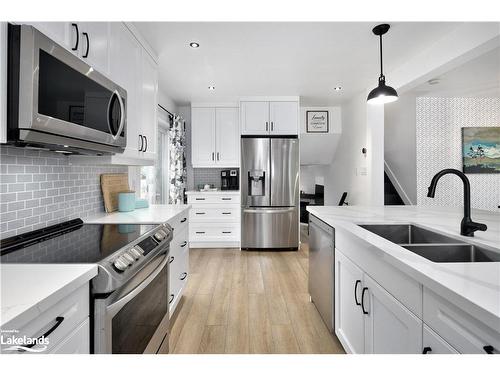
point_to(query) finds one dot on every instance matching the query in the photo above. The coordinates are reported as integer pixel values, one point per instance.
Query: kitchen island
(455, 304)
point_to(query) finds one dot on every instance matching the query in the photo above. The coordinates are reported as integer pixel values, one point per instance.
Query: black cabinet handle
(217, 156)
(142, 142)
(183, 276)
(488, 349)
(146, 147)
(272, 126)
(200, 232)
(363, 301)
(183, 220)
(356, 292)
(184, 244)
(200, 213)
(199, 199)
(75, 47)
(426, 350)
(171, 299)
(226, 213)
(226, 232)
(88, 45)
(213, 155)
(227, 199)
(171, 259)
(267, 126)
(59, 320)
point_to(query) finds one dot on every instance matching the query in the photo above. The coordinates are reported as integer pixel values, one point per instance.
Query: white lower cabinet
(77, 342)
(390, 328)
(434, 344)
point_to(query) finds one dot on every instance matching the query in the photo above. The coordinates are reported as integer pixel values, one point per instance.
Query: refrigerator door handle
(266, 210)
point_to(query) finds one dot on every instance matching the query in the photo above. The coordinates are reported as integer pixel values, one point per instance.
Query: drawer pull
(199, 199)
(59, 320)
(171, 299)
(200, 232)
(226, 232)
(200, 213)
(356, 292)
(227, 199)
(171, 259)
(183, 276)
(363, 300)
(426, 350)
(488, 349)
(183, 220)
(185, 243)
(226, 213)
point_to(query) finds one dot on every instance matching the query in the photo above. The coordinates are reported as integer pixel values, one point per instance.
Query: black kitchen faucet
(467, 226)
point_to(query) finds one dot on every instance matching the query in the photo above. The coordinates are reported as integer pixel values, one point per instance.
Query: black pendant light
(382, 94)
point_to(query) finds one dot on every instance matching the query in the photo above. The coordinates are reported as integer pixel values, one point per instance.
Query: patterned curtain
(177, 160)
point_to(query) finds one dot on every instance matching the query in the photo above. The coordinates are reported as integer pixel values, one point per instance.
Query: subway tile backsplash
(203, 176)
(40, 188)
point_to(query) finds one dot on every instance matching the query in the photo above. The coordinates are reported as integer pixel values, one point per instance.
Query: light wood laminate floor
(249, 302)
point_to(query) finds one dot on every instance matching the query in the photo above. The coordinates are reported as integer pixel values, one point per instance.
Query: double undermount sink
(431, 245)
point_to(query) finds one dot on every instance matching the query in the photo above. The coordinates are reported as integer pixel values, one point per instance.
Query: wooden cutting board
(111, 185)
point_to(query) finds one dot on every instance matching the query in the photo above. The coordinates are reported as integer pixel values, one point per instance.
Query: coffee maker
(230, 179)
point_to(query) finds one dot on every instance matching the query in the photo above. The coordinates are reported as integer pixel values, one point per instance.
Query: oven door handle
(116, 306)
(122, 114)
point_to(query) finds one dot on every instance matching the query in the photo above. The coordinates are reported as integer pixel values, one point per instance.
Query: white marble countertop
(229, 192)
(475, 287)
(154, 214)
(29, 289)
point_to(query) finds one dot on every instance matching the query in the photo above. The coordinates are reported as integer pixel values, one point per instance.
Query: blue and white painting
(481, 150)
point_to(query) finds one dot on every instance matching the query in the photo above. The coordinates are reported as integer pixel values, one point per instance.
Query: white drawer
(65, 315)
(210, 214)
(179, 223)
(214, 198)
(462, 331)
(78, 341)
(214, 232)
(434, 344)
(179, 272)
(179, 243)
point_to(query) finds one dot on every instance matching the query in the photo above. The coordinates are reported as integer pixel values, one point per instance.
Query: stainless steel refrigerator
(269, 193)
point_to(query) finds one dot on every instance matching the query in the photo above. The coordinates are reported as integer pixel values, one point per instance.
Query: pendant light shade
(382, 93)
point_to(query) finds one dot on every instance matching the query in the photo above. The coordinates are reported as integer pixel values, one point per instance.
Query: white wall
(360, 175)
(166, 101)
(439, 146)
(400, 143)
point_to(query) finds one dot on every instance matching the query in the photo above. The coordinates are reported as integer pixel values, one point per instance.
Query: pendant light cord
(381, 63)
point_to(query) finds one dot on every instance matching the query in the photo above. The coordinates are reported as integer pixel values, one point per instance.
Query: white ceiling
(301, 58)
(479, 77)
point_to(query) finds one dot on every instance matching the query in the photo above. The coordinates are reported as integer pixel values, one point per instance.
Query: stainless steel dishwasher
(321, 268)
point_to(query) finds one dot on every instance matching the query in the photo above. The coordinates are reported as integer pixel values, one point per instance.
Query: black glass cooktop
(70, 242)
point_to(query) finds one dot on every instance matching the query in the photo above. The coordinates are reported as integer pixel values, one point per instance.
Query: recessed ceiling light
(194, 45)
(211, 88)
(434, 81)
(337, 88)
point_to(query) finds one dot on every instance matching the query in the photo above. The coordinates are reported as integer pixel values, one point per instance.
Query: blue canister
(126, 201)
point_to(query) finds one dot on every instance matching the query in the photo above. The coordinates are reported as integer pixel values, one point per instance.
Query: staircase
(391, 196)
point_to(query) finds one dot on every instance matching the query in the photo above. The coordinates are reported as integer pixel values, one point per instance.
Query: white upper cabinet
(203, 137)
(149, 91)
(94, 44)
(215, 137)
(254, 118)
(269, 117)
(228, 134)
(284, 118)
(390, 328)
(62, 33)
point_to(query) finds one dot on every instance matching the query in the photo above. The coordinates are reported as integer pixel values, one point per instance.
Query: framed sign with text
(317, 121)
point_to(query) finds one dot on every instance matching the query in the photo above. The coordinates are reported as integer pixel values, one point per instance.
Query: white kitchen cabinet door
(149, 105)
(94, 45)
(228, 137)
(390, 328)
(255, 118)
(203, 137)
(284, 118)
(63, 33)
(349, 321)
(77, 342)
(434, 344)
(124, 58)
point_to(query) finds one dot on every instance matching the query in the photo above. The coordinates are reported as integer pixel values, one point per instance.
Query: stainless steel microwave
(57, 101)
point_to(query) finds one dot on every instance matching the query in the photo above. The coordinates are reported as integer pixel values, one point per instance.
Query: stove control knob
(119, 265)
(159, 235)
(135, 253)
(130, 259)
(138, 249)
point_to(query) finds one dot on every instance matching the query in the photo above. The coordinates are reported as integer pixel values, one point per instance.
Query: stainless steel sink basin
(408, 234)
(454, 253)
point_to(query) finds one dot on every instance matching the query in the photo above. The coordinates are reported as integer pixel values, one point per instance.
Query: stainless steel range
(130, 292)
